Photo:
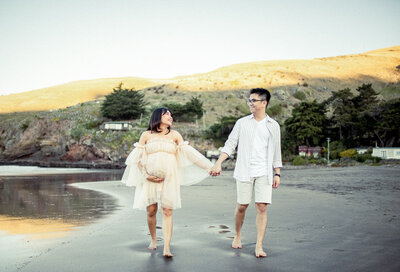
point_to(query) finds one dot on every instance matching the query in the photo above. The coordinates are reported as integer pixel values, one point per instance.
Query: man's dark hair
(155, 120)
(263, 93)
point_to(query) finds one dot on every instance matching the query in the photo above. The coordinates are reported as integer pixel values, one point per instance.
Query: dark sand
(327, 219)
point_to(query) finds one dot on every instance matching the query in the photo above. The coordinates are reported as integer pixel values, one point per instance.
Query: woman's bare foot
(153, 245)
(167, 253)
(259, 252)
(237, 243)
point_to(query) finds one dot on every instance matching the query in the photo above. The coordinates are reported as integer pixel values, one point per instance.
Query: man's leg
(261, 225)
(244, 193)
(262, 197)
(239, 219)
(152, 222)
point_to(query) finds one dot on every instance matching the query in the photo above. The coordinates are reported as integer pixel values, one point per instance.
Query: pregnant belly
(159, 164)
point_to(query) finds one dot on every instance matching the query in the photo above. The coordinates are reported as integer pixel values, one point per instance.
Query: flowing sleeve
(193, 166)
(134, 171)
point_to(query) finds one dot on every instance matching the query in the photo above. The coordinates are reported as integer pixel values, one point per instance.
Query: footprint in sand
(224, 229)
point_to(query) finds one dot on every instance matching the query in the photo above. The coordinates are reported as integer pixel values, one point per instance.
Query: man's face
(255, 104)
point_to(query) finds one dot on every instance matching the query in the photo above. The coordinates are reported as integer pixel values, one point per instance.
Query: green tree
(123, 104)
(219, 131)
(306, 125)
(363, 124)
(194, 107)
(344, 112)
(187, 112)
(387, 123)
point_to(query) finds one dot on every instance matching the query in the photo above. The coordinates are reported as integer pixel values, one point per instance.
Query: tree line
(353, 120)
(127, 104)
(349, 119)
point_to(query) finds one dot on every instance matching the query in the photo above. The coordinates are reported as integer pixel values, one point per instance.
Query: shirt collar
(268, 119)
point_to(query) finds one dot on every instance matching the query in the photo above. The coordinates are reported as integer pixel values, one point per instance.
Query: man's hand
(277, 181)
(155, 179)
(216, 169)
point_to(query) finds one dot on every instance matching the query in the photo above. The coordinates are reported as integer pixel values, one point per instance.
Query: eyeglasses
(252, 101)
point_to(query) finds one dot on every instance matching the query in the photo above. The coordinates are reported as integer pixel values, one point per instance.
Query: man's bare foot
(259, 252)
(153, 245)
(167, 253)
(237, 243)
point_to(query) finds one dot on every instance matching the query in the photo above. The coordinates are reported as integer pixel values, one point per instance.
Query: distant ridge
(318, 76)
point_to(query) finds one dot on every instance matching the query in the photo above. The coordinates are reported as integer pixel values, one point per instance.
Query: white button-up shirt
(242, 137)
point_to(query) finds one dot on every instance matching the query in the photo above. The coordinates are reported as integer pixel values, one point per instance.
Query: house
(386, 152)
(362, 150)
(308, 151)
(118, 125)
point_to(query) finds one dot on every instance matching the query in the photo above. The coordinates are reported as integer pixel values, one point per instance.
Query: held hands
(216, 170)
(155, 179)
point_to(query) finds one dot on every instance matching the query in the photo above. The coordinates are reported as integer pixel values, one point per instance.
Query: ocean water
(41, 201)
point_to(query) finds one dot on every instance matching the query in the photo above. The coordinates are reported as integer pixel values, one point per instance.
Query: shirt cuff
(225, 150)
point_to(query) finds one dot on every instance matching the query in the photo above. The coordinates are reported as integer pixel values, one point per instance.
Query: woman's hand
(216, 170)
(155, 179)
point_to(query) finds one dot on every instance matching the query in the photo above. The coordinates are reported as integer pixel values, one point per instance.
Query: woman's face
(167, 119)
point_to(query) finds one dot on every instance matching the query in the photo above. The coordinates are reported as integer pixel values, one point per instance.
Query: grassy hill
(224, 89)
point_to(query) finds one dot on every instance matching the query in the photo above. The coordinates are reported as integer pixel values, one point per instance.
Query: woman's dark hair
(155, 120)
(263, 93)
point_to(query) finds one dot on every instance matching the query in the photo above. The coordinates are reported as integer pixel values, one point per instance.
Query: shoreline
(62, 164)
(230, 167)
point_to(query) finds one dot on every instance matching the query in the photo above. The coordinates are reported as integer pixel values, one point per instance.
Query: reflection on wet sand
(36, 228)
(45, 206)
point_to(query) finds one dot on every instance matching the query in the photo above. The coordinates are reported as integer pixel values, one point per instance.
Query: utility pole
(328, 140)
(204, 120)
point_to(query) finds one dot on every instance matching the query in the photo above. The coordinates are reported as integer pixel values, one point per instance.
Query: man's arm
(277, 160)
(227, 150)
(277, 179)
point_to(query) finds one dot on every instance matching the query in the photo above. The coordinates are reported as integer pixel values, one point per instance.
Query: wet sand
(327, 219)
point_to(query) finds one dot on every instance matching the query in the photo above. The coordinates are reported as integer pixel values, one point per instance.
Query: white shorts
(262, 190)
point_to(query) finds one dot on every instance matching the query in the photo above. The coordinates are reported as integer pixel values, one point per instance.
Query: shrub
(274, 110)
(93, 124)
(349, 153)
(335, 148)
(376, 159)
(300, 95)
(78, 132)
(243, 109)
(25, 125)
(362, 157)
(299, 160)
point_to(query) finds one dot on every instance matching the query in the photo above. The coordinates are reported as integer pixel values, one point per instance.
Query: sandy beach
(326, 219)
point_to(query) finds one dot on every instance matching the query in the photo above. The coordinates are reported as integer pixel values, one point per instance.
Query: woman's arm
(191, 154)
(142, 141)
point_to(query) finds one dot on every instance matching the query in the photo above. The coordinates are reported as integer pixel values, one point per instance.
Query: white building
(121, 125)
(386, 152)
(361, 150)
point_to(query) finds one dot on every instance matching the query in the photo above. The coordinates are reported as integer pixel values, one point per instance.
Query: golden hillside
(318, 77)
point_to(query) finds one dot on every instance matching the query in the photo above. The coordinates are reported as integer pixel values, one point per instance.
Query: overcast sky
(50, 42)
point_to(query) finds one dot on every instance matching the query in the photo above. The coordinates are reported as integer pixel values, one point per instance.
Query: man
(258, 141)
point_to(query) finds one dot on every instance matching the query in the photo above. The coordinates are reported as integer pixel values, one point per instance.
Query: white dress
(162, 157)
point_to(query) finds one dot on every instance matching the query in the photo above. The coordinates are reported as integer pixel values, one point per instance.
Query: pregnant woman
(160, 163)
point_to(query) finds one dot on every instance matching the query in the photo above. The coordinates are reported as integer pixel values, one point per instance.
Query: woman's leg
(167, 231)
(152, 223)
